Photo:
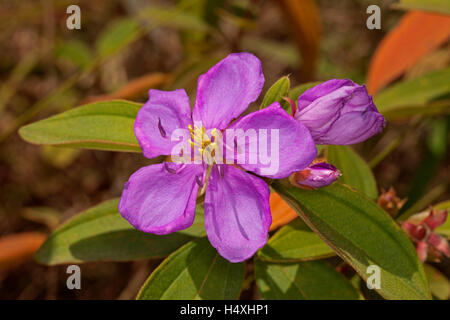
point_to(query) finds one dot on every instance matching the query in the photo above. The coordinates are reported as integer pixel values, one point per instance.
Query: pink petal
(439, 243)
(160, 198)
(279, 146)
(422, 250)
(237, 212)
(226, 90)
(417, 232)
(435, 219)
(164, 112)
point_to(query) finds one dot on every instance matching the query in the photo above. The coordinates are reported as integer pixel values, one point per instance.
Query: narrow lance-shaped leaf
(17, 248)
(439, 284)
(126, 30)
(295, 242)
(415, 92)
(276, 92)
(438, 6)
(313, 280)
(117, 35)
(9, 86)
(281, 212)
(175, 18)
(295, 92)
(427, 109)
(104, 125)
(416, 35)
(355, 171)
(363, 234)
(195, 271)
(101, 234)
(304, 19)
(279, 51)
(75, 52)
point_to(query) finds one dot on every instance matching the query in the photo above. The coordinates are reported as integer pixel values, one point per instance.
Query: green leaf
(298, 90)
(428, 109)
(439, 284)
(355, 171)
(438, 6)
(195, 271)
(10, 85)
(59, 157)
(75, 52)
(445, 228)
(210, 9)
(363, 234)
(104, 125)
(173, 17)
(295, 242)
(432, 157)
(117, 35)
(101, 234)
(277, 50)
(415, 92)
(276, 92)
(313, 280)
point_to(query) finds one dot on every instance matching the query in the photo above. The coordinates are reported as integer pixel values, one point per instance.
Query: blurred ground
(40, 187)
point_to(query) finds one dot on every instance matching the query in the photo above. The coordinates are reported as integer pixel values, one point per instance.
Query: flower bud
(420, 227)
(389, 201)
(315, 176)
(339, 112)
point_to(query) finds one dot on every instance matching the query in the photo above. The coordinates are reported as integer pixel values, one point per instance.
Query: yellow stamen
(202, 141)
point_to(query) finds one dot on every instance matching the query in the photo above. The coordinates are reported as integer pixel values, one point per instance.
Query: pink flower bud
(340, 112)
(315, 176)
(421, 230)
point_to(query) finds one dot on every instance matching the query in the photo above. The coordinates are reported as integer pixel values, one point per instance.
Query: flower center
(204, 143)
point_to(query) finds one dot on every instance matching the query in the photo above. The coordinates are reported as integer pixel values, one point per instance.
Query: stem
(208, 173)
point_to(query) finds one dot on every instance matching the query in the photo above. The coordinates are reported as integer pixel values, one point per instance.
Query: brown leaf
(417, 34)
(282, 213)
(17, 248)
(134, 88)
(304, 19)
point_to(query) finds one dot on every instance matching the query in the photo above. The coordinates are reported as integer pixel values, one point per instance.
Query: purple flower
(317, 175)
(161, 198)
(339, 112)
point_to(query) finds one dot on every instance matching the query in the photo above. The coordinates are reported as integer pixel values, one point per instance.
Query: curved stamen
(169, 169)
(161, 129)
(172, 170)
(199, 182)
(203, 142)
(221, 173)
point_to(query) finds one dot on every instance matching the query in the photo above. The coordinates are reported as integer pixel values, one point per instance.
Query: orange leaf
(417, 34)
(304, 19)
(134, 88)
(19, 247)
(281, 212)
